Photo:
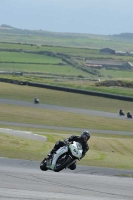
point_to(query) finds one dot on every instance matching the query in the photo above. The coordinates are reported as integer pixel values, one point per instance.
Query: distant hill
(61, 34)
(6, 26)
(125, 35)
(120, 42)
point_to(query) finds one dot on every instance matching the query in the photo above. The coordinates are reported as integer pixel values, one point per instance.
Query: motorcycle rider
(82, 139)
(121, 112)
(129, 114)
(36, 100)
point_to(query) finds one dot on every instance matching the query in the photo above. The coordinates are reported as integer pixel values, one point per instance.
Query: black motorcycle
(129, 115)
(36, 101)
(121, 113)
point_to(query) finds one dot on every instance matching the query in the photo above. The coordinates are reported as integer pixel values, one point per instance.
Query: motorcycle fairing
(58, 153)
(76, 149)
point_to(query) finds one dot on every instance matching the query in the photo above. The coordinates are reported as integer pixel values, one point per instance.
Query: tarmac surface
(22, 179)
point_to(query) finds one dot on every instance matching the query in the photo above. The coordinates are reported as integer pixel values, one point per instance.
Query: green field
(27, 58)
(66, 62)
(66, 39)
(45, 69)
(63, 66)
(118, 74)
(69, 51)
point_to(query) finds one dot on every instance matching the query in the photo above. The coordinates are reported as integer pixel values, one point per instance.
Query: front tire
(43, 165)
(63, 165)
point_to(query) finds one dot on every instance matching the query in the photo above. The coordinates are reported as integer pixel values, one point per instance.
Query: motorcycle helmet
(85, 136)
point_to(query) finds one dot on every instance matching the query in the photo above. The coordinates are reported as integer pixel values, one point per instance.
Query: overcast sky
(75, 16)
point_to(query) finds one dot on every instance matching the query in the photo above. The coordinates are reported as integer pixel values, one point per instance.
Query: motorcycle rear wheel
(62, 166)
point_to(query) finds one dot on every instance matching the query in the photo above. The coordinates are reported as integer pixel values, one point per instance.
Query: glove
(82, 156)
(66, 141)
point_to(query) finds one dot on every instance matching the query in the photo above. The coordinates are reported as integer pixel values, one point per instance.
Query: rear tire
(61, 167)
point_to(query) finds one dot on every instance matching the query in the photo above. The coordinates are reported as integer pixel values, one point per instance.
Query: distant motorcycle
(36, 101)
(129, 115)
(121, 113)
(63, 158)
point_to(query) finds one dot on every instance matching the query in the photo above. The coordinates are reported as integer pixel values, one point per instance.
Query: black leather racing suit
(61, 143)
(85, 146)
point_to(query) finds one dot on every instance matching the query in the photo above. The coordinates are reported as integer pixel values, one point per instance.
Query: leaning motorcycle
(121, 113)
(36, 101)
(63, 157)
(129, 116)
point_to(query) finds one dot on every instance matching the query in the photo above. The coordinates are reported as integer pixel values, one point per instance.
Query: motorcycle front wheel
(43, 165)
(61, 165)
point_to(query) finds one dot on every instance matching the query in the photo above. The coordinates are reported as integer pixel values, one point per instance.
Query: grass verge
(126, 175)
(39, 116)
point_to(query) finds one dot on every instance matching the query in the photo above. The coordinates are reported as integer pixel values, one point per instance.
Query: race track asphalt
(22, 179)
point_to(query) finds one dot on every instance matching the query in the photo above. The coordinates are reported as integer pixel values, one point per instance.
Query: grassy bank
(39, 116)
(105, 151)
(70, 81)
